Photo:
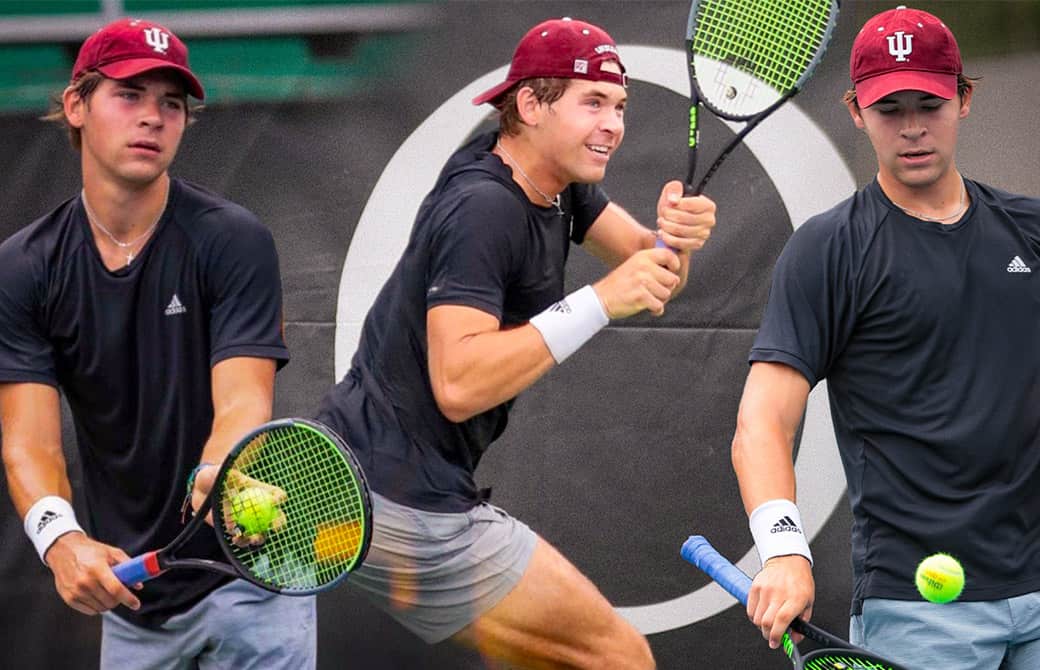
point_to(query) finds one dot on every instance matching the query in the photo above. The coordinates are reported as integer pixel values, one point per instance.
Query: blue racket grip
(138, 569)
(698, 550)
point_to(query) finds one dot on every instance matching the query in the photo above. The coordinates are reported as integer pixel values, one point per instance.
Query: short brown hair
(547, 90)
(964, 84)
(84, 87)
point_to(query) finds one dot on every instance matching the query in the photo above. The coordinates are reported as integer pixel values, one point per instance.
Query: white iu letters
(900, 45)
(157, 39)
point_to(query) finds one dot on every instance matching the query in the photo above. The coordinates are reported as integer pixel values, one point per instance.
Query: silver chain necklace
(555, 202)
(961, 206)
(93, 219)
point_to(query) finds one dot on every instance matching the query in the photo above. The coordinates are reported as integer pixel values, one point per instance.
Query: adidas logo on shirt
(175, 306)
(48, 516)
(785, 525)
(1018, 265)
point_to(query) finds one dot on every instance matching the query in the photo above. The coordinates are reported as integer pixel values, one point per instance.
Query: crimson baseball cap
(565, 48)
(128, 47)
(904, 49)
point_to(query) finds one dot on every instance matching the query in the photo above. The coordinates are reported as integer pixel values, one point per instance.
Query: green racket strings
(843, 663)
(294, 487)
(834, 661)
(775, 42)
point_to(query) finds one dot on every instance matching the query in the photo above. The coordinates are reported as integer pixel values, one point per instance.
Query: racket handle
(138, 569)
(698, 550)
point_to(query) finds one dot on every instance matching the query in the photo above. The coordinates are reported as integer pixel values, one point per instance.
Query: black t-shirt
(927, 335)
(479, 242)
(132, 351)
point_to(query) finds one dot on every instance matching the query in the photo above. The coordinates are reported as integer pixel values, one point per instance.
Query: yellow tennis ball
(940, 578)
(254, 510)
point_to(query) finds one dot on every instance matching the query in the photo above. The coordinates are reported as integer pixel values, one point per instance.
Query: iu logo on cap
(160, 41)
(900, 45)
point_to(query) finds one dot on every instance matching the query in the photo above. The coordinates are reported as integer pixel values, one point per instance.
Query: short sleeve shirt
(132, 351)
(477, 242)
(926, 334)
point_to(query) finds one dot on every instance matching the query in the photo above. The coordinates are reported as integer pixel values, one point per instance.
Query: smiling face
(914, 135)
(131, 128)
(577, 134)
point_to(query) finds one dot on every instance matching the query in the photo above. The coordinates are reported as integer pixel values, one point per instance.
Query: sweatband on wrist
(571, 322)
(48, 519)
(776, 526)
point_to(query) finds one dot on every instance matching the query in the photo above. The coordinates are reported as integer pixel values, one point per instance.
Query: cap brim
(492, 94)
(126, 69)
(873, 89)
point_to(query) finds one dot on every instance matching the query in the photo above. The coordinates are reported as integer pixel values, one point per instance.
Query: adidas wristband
(776, 526)
(48, 519)
(571, 322)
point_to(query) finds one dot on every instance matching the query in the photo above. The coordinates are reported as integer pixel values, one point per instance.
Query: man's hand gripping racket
(836, 654)
(290, 509)
(746, 58)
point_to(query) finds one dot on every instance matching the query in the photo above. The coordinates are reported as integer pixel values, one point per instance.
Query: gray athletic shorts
(238, 626)
(437, 572)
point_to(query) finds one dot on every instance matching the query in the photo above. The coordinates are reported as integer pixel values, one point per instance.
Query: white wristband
(571, 322)
(48, 519)
(776, 526)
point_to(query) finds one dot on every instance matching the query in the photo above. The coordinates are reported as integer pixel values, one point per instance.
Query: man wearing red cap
(155, 307)
(473, 314)
(915, 299)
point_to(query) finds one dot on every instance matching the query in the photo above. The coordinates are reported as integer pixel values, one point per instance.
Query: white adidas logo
(175, 306)
(1018, 265)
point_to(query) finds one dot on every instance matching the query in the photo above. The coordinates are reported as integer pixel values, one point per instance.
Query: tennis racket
(746, 58)
(837, 654)
(291, 512)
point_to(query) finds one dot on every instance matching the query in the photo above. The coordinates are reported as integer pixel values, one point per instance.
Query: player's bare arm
(771, 409)
(30, 417)
(474, 365)
(243, 396)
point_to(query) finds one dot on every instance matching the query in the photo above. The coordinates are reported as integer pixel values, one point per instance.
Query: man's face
(131, 128)
(914, 134)
(579, 133)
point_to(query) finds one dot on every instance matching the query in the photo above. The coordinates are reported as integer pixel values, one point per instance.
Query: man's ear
(855, 113)
(74, 106)
(966, 103)
(529, 108)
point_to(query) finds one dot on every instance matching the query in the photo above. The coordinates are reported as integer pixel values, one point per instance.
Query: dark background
(621, 453)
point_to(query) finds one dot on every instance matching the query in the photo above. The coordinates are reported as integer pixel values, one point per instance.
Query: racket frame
(151, 564)
(697, 97)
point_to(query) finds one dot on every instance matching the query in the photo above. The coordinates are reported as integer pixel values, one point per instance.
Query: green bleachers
(13, 8)
(275, 68)
(29, 74)
(233, 68)
(164, 5)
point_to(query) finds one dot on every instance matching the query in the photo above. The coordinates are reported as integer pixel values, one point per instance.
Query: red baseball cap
(128, 47)
(904, 49)
(565, 48)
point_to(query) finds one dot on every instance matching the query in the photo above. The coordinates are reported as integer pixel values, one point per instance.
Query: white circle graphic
(782, 144)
